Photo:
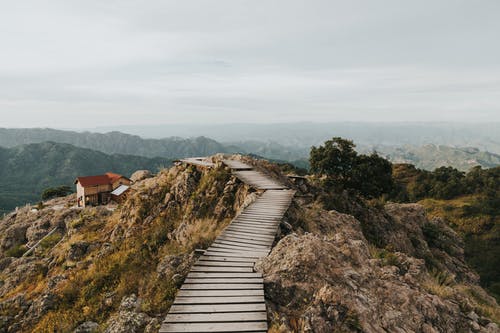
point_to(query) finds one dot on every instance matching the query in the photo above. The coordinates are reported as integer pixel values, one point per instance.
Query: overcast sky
(97, 63)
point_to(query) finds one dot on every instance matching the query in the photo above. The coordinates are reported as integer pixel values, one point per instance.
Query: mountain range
(34, 159)
(425, 156)
(114, 142)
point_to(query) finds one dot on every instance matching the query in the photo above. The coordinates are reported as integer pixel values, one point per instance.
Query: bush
(50, 241)
(54, 192)
(16, 251)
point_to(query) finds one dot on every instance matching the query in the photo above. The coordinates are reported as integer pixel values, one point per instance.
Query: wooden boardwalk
(198, 161)
(222, 293)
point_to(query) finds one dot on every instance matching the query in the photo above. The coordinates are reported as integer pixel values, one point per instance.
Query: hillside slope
(27, 170)
(430, 157)
(339, 264)
(114, 142)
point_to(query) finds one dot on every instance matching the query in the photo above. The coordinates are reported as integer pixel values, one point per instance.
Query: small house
(100, 189)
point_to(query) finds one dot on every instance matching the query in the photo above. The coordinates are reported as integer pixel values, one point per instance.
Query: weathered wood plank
(255, 222)
(222, 286)
(261, 229)
(224, 259)
(225, 263)
(242, 240)
(256, 230)
(214, 327)
(223, 275)
(224, 280)
(197, 268)
(218, 300)
(217, 308)
(234, 242)
(242, 234)
(221, 293)
(234, 254)
(237, 248)
(217, 317)
(233, 248)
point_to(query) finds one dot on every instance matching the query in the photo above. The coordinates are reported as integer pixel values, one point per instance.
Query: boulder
(140, 175)
(77, 250)
(129, 319)
(87, 327)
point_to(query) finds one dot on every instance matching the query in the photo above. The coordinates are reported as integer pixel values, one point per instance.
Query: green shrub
(16, 251)
(54, 192)
(50, 241)
(442, 277)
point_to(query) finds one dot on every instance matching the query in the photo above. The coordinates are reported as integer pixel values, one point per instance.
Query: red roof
(106, 179)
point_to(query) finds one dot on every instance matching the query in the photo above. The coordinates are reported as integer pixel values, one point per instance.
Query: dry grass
(202, 232)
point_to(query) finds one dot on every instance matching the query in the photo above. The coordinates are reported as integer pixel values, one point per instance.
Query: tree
(54, 192)
(335, 159)
(370, 175)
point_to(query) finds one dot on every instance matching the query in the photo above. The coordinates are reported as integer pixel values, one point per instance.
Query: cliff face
(325, 275)
(371, 268)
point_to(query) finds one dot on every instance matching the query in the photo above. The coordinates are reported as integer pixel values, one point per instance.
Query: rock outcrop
(330, 278)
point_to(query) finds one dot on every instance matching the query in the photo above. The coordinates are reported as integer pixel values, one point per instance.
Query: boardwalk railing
(222, 292)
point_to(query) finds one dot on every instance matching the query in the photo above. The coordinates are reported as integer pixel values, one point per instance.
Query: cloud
(72, 62)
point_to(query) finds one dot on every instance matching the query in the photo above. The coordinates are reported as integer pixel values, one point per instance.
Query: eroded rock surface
(331, 279)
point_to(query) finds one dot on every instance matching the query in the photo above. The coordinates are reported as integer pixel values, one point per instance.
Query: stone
(77, 251)
(140, 175)
(87, 327)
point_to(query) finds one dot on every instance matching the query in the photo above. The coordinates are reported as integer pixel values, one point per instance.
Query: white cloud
(67, 62)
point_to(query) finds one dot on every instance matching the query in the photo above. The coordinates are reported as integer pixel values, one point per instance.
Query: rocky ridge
(339, 264)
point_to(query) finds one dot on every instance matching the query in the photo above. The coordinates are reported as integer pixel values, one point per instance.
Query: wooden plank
(263, 217)
(226, 263)
(236, 247)
(237, 250)
(222, 286)
(224, 280)
(242, 240)
(254, 246)
(214, 327)
(224, 259)
(241, 253)
(257, 240)
(265, 210)
(217, 308)
(251, 227)
(218, 300)
(252, 237)
(256, 222)
(268, 227)
(239, 247)
(220, 269)
(223, 275)
(217, 317)
(221, 293)
(234, 254)
(245, 235)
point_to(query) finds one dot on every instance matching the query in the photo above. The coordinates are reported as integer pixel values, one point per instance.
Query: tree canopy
(343, 167)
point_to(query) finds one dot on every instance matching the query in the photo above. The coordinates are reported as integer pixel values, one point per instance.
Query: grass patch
(16, 251)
